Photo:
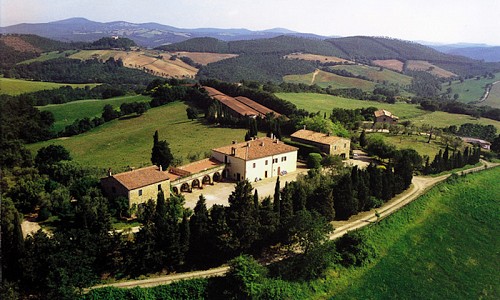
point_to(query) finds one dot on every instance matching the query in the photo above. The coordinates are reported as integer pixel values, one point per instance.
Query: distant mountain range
(152, 35)
(144, 34)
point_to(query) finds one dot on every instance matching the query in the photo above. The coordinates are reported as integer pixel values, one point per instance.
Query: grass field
(493, 99)
(325, 103)
(65, 114)
(421, 65)
(325, 79)
(122, 143)
(374, 74)
(17, 86)
(444, 245)
(471, 89)
(415, 142)
(49, 55)
(315, 57)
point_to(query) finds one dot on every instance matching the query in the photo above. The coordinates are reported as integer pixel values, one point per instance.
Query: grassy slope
(442, 246)
(17, 86)
(493, 99)
(376, 75)
(49, 55)
(471, 89)
(325, 79)
(325, 103)
(416, 142)
(121, 143)
(67, 113)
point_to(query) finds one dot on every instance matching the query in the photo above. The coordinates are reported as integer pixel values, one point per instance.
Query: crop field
(157, 62)
(121, 143)
(65, 114)
(443, 245)
(392, 64)
(375, 74)
(315, 57)
(325, 103)
(493, 99)
(325, 79)
(17, 86)
(421, 65)
(205, 58)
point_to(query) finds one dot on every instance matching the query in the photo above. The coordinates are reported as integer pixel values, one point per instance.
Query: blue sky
(446, 21)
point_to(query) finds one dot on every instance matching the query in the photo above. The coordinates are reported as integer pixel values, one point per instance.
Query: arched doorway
(185, 187)
(195, 184)
(175, 190)
(216, 177)
(205, 180)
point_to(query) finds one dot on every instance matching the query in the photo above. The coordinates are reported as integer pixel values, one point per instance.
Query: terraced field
(17, 86)
(121, 143)
(375, 74)
(325, 79)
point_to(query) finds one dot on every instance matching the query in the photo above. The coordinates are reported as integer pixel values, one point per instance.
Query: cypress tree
(276, 202)
(199, 234)
(256, 199)
(299, 198)
(184, 236)
(362, 139)
(286, 205)
(344, 202)
(242, 216)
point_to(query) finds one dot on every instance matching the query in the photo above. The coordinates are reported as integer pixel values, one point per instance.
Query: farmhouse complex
(329, 144)
(385, 116)
(253, 160)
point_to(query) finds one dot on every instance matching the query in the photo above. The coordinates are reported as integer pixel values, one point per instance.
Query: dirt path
(316, 72)
(419, 186)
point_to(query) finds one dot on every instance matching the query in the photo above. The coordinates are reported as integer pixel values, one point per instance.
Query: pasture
(444, 245)
(325, 79)
(14, 87)
(65, 114)
(493, 99)
(471, 89)
(375, 74)
(122, 143)
(325, 103)
(154, 61)
(421, 65)
(315, 57)
(50, 55)
(392, 64)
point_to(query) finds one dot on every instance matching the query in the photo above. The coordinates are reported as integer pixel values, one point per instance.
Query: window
(283, 158)
(334, 147)
(159, 187)
(254, 165)
(345, 145)
(140, 192)
(275, 160)
(266, 162)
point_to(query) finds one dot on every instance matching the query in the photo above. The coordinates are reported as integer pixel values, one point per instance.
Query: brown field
(19, 44)
(205, 58)
(392, 64)
(421, 65)
(315, 57)
(143, 60)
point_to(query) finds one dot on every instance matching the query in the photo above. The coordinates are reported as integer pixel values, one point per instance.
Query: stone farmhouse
(257, 159)
(385, 116)
(253, 160)
(482, 143)
(325, 142)
(138, 186)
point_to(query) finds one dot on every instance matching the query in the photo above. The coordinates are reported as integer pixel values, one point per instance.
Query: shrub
(314, 160)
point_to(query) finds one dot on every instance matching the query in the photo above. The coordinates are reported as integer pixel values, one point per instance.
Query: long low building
(325, 142)
(257, 159)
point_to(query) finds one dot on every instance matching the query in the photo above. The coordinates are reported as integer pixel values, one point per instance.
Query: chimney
(233, 151)
(304, 127)
(161, 168)
(262, 143)
(246, 154)
(328, 134)
(234, 142)
(110, 173)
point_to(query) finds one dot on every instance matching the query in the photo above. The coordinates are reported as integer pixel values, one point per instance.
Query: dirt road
(419, 186)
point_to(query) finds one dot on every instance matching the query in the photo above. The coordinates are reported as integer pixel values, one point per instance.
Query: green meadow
(122, 143)
(50, 55)
(493, 99)
(17, 86)
(375, 74)
(325, 103)
(326, 79)
(65, 114)
(471, 89)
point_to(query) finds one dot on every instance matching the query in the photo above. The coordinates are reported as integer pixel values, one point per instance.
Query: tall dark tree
(362, 139)
(51, 154)
(322, 201)
(286, 205)
(276, 198)
(345, 204)
(161, 154)
(184, 236)
(12, 243)
(199, 234)
(299, 196)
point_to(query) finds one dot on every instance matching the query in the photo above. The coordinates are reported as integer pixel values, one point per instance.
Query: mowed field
(11, 86)
(149, 60)
(493, 99)
(392, 64)
(205, 58)
(316, 57)
(375, 74)
(421, 65)
(325, 79)
(65, 114)
(325, 103)
(444, 245)
(121, 143)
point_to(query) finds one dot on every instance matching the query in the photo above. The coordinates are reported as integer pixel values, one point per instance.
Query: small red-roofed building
(257, 159)
(385, 116)
(138, 186)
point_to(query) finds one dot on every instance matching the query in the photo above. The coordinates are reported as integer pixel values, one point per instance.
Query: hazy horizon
(436, 21)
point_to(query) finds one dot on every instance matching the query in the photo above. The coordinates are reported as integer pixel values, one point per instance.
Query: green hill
(375, 74)
(326, 79)
(11, 86)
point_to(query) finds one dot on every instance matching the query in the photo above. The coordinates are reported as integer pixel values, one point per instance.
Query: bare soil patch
(421, 65)
(392, 64)
(205, 58)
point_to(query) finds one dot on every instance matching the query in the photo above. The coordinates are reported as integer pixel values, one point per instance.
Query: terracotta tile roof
(257, 106)
(386, 113)
(194, 167)
(141, 177)
(317, 137)
(258, 148)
